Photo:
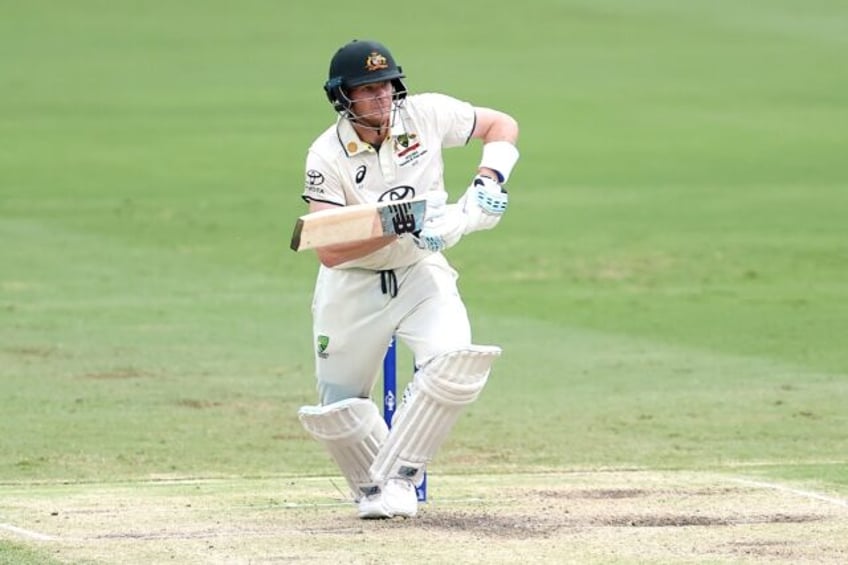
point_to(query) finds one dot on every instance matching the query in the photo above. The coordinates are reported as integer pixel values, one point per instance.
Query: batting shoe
(397, 498)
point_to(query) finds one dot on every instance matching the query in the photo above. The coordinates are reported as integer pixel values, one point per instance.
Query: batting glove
(484, 203)
(444, 224)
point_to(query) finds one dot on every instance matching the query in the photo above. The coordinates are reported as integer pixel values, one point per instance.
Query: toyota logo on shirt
(397, 193)
(314, 178)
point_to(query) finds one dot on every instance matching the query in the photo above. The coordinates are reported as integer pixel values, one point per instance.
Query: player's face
(372, 103)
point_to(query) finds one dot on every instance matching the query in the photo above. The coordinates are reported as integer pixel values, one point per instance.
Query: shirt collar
(350, 140)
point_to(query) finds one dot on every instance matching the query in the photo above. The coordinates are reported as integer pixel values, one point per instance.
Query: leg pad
(353, 432)
(441, 389)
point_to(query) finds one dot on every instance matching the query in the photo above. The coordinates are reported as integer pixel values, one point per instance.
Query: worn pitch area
(579, 517)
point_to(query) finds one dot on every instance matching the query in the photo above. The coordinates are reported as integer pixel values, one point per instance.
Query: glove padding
(483, 203)
(444, 224)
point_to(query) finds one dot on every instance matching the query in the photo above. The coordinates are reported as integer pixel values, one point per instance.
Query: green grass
(17, 554)
(668, 285)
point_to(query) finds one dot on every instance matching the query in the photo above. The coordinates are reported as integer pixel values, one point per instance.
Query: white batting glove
(436, 201)
(483, 203)
(444, 224)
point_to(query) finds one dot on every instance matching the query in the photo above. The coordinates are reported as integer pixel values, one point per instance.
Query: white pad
(352, 430)
(441, 389)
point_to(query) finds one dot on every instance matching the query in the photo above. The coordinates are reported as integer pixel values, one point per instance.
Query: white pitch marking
(800, 492)
(26, 533)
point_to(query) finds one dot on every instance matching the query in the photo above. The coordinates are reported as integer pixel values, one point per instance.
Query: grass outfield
(669, 285)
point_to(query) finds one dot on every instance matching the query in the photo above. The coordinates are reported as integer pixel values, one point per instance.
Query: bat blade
(357, 222)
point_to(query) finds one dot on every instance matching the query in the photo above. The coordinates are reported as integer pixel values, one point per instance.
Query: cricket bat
(357, 222)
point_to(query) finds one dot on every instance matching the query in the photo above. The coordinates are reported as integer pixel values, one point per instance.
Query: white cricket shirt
(341, 169)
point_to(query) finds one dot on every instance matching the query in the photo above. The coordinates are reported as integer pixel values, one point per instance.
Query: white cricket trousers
(354, 321)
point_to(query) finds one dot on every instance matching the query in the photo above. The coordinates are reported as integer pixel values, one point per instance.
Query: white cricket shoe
(397, 498)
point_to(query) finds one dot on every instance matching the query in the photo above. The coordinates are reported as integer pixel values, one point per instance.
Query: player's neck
(371, 136)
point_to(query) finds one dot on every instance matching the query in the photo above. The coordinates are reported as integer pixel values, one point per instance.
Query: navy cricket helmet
(358, 63)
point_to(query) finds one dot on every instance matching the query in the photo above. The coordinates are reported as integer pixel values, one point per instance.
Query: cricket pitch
(558, 517)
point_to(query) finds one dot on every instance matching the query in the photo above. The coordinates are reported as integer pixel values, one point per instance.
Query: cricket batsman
(386, 145)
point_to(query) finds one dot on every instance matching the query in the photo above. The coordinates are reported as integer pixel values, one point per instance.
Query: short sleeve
(321, 183)
(452, 119)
